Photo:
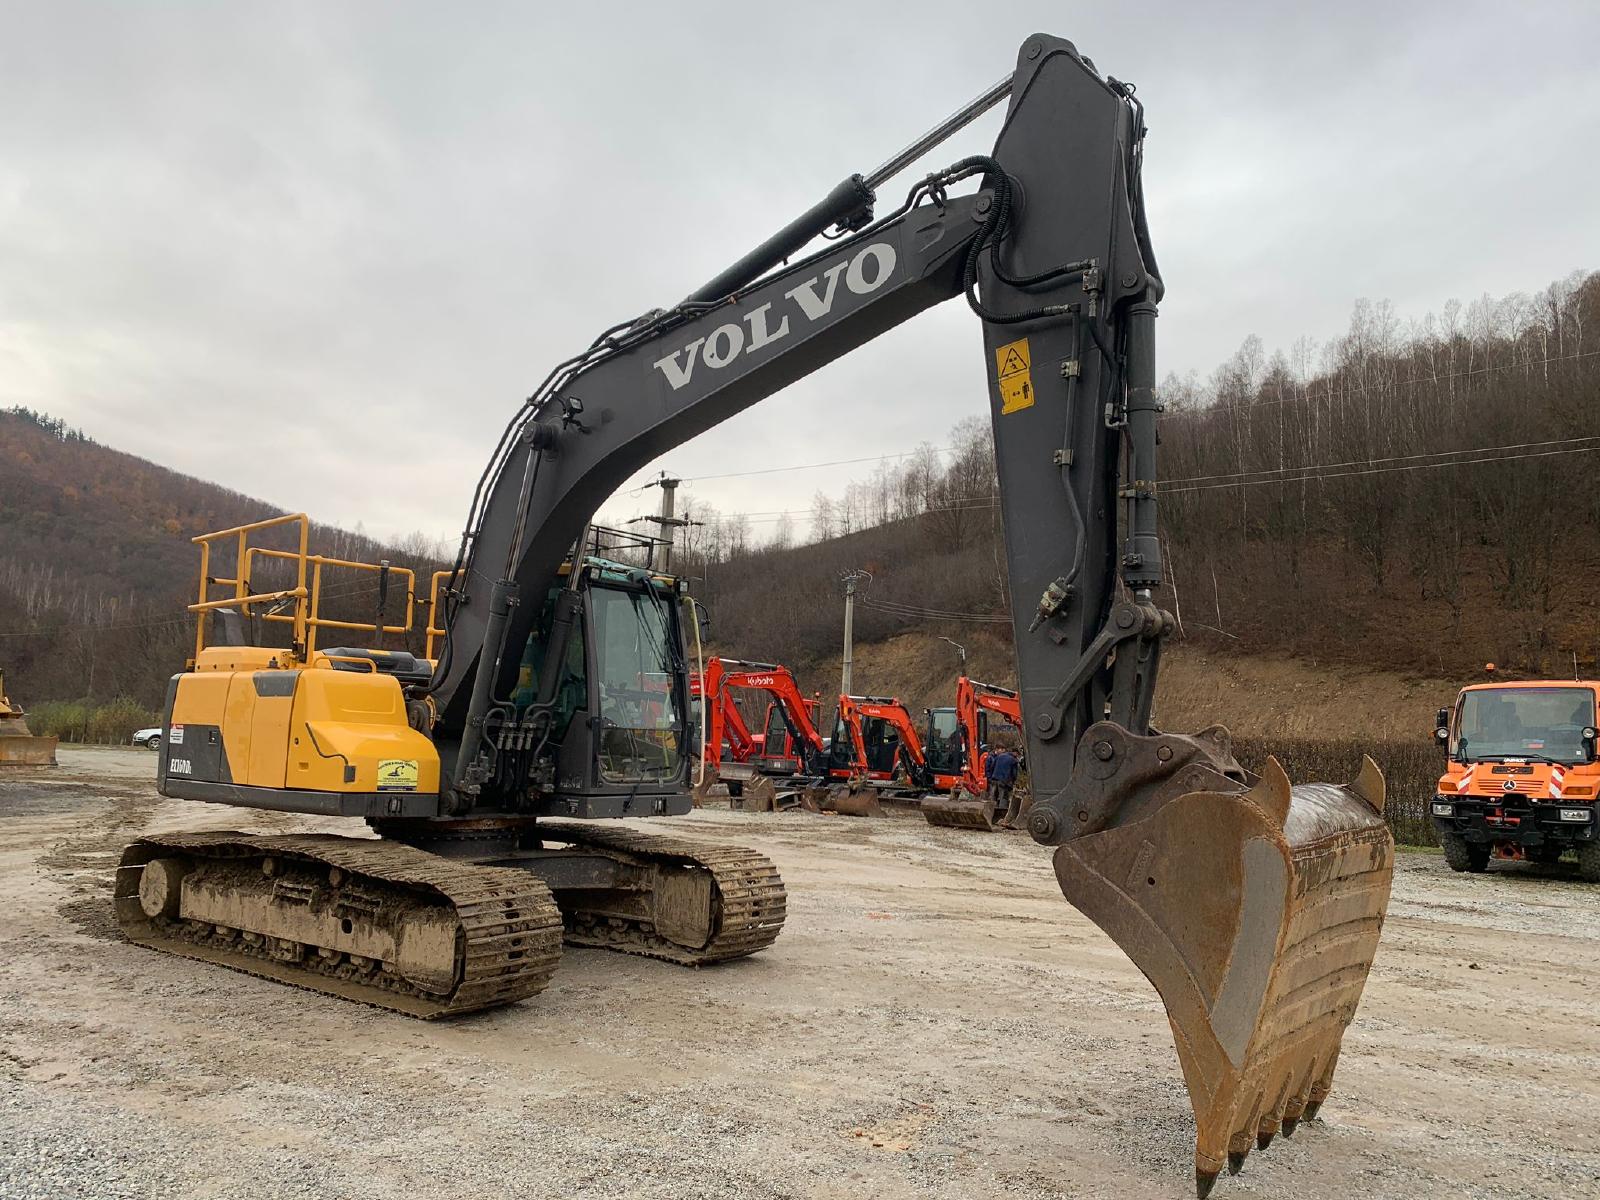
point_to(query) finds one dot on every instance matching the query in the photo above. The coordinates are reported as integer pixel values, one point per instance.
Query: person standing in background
(1003, 782)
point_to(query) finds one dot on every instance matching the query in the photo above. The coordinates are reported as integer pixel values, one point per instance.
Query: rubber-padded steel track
(510, 928)
(749, 900)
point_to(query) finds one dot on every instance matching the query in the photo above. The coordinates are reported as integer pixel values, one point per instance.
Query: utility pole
(666, 518)
(850, 579)
(669, 496)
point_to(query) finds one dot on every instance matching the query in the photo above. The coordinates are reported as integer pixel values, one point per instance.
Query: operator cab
(616, 743)
(945, 745)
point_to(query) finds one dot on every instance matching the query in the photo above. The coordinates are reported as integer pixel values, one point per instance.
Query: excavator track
(464, 937)
(747, 897)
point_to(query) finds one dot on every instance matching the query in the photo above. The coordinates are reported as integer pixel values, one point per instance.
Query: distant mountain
(96, 562)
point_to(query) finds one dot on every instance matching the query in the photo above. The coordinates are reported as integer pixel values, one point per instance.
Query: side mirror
(703, 616)
(1442, 719)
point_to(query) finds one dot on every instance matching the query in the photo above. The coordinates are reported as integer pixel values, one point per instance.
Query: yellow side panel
(202, 699)
(346, 719)
(239, 717)
(269, 741)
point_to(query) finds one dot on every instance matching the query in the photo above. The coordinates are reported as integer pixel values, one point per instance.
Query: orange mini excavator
(748, 776)
(955, 752)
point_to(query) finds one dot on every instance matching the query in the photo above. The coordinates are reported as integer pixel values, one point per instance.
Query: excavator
(1253, 906)
(954, 751)
(790, 742)
(874, 738)
(753, 777)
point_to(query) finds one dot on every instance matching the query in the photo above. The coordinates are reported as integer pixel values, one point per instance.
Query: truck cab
(1521, 776)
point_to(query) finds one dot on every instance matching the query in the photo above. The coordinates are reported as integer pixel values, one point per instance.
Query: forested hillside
(96, 564)
(1416, 497)
(1409, 497)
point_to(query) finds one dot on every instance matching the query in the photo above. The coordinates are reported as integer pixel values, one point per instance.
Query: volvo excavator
(1253, 907)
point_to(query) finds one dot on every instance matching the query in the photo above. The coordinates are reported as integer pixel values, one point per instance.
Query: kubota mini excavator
(875, 738)
(790, 743)
(1253, 906)
(954, 749)
(723, 676)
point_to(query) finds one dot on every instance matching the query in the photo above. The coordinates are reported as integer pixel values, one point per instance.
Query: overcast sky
(318, 252)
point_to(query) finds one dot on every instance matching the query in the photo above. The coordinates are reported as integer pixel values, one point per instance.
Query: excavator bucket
(707, 789)
(758, 794)
(852, 800)
(1256, 914)
(961, 809)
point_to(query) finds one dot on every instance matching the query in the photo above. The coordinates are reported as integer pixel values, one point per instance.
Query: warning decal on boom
(1013, 366)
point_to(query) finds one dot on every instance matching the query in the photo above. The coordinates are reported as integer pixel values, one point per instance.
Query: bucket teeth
(1256, 915)
(1273, 795)
(1204, 1181)
(1368, 784)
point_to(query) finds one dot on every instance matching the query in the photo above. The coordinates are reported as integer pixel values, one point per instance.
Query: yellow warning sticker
(397, 775)
(1014, 365)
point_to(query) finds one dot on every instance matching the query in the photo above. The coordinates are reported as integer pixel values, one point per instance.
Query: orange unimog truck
(1521, 778)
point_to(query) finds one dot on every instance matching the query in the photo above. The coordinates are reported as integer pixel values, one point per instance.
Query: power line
(1367, 462)
(1205, 487)
(907, 610)
(1331, 394)
(837, 462)
(328, 594)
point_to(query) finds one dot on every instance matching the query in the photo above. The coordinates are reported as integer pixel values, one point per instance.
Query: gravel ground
(934, 1022)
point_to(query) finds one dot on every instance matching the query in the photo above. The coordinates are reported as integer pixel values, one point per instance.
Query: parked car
(148, 737)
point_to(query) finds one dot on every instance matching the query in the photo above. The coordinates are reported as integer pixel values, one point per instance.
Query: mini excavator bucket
(960, 809)
(853, 799)
(758, 794)
(1254, 907)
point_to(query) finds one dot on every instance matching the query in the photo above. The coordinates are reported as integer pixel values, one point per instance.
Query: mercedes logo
(1510, 785)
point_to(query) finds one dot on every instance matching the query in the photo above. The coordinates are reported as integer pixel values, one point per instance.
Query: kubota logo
(864, 273)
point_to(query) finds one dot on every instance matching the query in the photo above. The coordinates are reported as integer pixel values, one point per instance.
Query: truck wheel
(1589, 861)
(1462, 855)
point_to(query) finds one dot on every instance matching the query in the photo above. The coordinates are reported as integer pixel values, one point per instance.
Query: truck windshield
(640, 711)
(1531, 722)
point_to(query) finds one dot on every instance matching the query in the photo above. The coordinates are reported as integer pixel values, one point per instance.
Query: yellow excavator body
(243, 719)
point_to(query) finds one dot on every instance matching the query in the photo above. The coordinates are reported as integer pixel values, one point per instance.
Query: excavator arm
(1252, 906)
(973, 696)
(778, 683)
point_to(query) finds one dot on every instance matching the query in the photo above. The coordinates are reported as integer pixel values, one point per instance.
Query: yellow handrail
(435, 631)
(315, 621)
(241, 594)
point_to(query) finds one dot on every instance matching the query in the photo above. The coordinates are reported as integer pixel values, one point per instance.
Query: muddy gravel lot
(935, 1021)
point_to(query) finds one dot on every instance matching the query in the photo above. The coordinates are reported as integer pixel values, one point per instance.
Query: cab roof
(1589, 684)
